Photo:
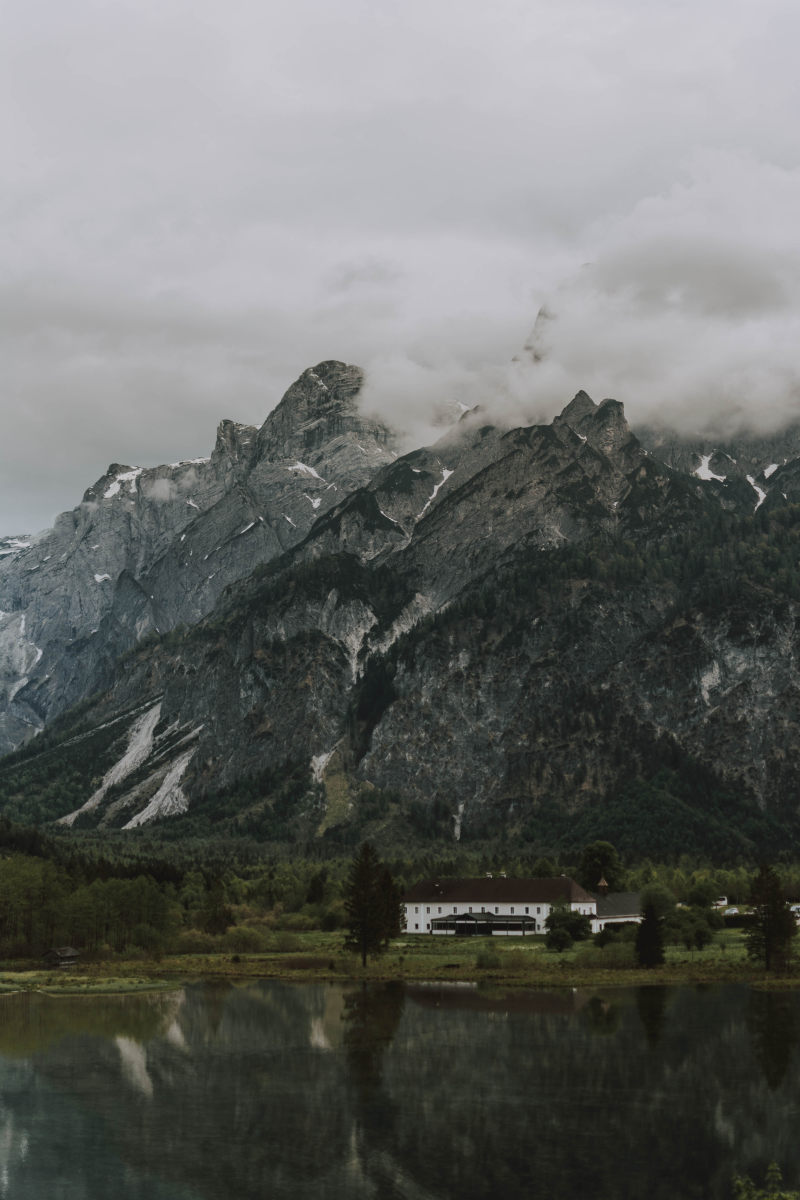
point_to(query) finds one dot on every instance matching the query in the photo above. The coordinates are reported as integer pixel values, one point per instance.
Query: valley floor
(476, 961)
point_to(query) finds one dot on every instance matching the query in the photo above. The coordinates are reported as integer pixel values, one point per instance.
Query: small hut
(61, 956)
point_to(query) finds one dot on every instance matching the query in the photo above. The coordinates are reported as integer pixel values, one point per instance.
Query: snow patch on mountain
(304, 469)
(704, 470)
(319, 762)
(139, 748)
(128, 477)
(445, 476)
(762, 495)
(170, 799)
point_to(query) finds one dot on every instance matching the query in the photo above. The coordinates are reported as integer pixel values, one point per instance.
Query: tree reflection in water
(651, 1005)
(772, 1019)
(352, 1093)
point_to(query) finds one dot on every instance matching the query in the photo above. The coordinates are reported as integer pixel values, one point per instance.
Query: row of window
(483, 909)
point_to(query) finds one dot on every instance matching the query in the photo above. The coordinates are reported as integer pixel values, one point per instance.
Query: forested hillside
(533, 637)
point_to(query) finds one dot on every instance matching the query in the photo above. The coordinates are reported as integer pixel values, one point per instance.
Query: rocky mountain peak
(319, 406)
(602, 425)
(581, 405)
(234, 442)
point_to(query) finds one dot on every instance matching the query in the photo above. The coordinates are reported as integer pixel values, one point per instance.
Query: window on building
(416, 909)
(496, 909)
(527, 909)
(440, 908)
(428, 925)
(512, 908)
(428, 909)
(470, 908)
(416, 926)
(454, 908)
(538, 910)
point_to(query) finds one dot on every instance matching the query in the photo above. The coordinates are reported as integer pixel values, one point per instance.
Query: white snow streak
(762, 495)
(192, 504)
(101, 578)
(170, 798)
(128, 477)
(445, 476)
(319, 762)
(289, 519)
(314, 502)
(770, 470)
(305, 470)
(704, 470)
(140, 745)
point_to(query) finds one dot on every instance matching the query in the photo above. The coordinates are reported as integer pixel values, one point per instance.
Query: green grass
(315, 955)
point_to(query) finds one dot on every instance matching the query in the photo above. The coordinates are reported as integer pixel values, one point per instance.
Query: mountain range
(545, 633)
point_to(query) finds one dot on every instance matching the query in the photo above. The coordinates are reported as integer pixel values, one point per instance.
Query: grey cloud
(199, 201)
(161, 489)
(369, 272)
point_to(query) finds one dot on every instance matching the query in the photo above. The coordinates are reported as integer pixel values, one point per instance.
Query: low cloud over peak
(200, 202)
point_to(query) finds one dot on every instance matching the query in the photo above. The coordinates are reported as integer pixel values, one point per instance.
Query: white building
(617, 908)
(491, 905)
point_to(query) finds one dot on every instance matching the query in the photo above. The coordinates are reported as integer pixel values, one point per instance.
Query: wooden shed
(61, 956)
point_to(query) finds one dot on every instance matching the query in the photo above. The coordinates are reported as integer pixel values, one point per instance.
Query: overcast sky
(202, 199)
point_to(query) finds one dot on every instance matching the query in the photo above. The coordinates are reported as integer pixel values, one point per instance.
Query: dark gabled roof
(620, 904)
(489, 919)
(498, 890)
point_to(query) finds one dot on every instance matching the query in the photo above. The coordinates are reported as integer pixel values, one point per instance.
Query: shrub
(487, 960)
(194, 941)
(298, 922)
(558, 939)
(244, 940)
(616, 956)
(285, 943)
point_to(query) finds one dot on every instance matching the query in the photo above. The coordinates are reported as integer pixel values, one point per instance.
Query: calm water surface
(273, 1090)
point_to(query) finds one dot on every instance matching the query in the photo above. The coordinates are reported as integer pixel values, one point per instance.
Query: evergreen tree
(650, 938)
(772, 926)
(600, 860)
(372, 902)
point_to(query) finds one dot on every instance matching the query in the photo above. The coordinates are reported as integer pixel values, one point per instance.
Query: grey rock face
(149, 549)
(493, 624)
(745, 471)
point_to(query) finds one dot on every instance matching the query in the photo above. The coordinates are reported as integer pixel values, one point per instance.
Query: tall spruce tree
(650, 938)
(771, 927)
(372, 904)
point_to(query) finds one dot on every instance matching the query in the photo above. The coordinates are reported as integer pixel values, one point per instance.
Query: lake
(214, 1092)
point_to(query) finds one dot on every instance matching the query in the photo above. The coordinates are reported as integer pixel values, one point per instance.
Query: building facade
(492, 905)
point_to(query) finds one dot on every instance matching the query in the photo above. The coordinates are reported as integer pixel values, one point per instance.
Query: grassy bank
(319, 956)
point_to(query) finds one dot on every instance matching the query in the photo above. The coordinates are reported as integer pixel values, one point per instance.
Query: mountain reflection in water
(270, 1090)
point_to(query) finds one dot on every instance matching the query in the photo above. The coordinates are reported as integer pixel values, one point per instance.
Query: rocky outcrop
(149, 549)
(493, 633)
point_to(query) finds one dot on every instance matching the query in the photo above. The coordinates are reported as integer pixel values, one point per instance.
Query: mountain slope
(150, 549)
(529, 632)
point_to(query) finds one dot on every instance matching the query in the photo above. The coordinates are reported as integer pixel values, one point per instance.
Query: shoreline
(121, 976)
